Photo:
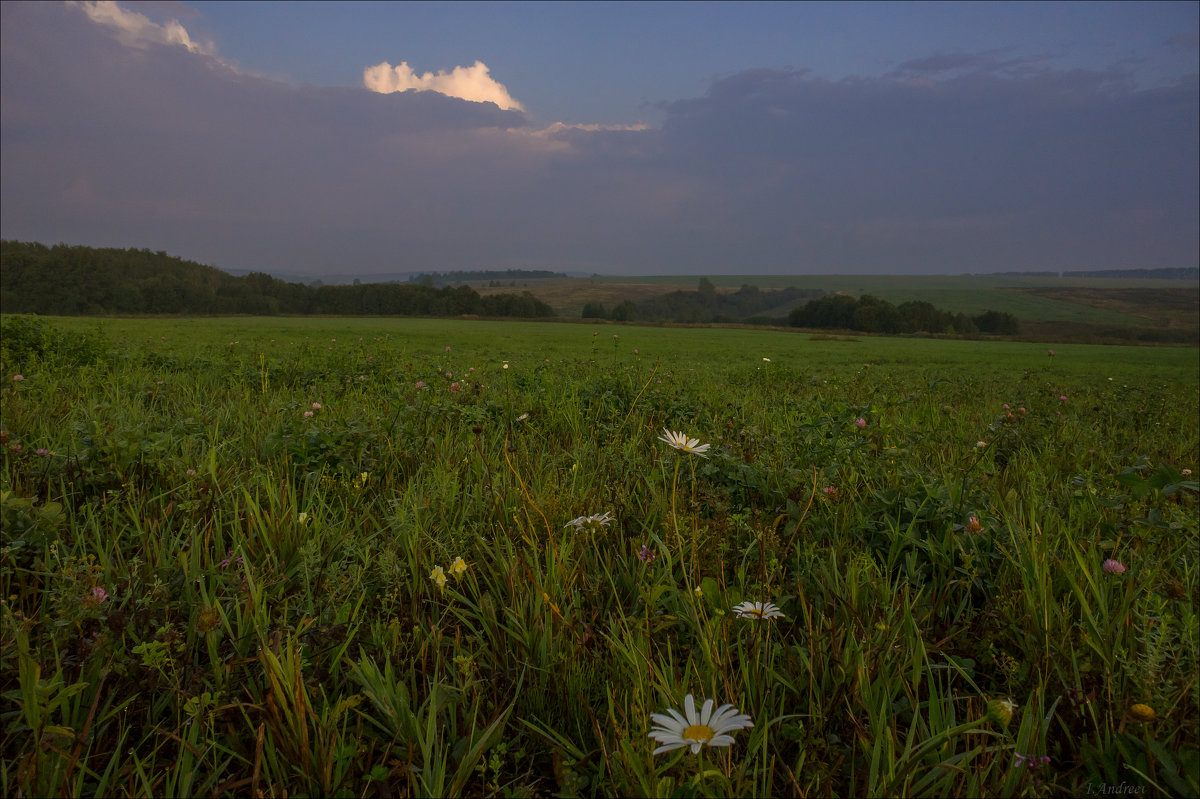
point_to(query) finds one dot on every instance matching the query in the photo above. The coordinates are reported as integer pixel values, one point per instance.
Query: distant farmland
(1096, 308)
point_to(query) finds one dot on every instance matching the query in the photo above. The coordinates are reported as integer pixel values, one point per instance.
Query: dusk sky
(642, 138)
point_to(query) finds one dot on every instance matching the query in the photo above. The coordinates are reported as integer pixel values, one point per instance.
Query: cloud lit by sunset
(467, 83)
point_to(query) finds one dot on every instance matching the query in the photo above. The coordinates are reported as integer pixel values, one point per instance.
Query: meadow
(404, 557)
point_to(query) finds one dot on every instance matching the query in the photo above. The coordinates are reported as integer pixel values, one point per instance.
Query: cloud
(952, 164)
(472, 83)
(137, 30)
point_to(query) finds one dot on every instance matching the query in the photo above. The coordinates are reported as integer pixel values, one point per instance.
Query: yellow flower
(438, 575)
(1000, 711)
(1142, 713)
(458, 568)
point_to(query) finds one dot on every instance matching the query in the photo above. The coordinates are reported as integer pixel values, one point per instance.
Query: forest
(810, 308)
(748, 304)
(871, 314)
(71, 281)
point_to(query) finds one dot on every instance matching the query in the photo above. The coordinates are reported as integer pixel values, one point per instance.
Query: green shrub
(26, 340)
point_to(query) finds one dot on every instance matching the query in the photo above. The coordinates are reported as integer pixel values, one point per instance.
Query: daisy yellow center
(755, 612)
(698, 732)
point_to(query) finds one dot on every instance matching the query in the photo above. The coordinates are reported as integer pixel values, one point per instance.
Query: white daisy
(675, 731)
(592, 523)
(758, 610)
(681, 442)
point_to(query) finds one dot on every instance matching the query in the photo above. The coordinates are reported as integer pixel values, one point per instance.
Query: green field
(1082, 304)
(230, 561)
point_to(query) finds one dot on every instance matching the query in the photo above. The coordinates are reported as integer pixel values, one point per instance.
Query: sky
(310, 139)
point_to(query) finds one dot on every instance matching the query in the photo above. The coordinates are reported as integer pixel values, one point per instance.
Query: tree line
(496, 277)
(705, 305)
(749, 304)
(74, 280)
(871, 314)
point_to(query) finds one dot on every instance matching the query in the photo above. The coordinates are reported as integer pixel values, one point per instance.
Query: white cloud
(466, 83)
(563, 127)
(138, 30)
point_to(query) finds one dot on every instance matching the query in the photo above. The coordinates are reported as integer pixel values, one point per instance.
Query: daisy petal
(706, 712)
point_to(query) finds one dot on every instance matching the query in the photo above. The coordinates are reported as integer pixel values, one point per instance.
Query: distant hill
(456, 278)
(72, 280)
(1174, 273)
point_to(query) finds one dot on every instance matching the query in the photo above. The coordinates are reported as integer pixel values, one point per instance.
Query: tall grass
(220, 552)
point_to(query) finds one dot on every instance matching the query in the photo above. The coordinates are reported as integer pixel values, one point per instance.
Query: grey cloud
(1031, 169)
(953, 163)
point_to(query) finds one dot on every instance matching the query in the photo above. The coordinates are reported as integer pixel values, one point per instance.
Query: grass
(220, 540)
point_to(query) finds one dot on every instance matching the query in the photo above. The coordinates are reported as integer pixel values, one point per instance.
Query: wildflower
(303, 517)
(420, 384)
(592, 524)
(768, 360)
(684, 444)
(1114, 566)
(1143, 713)
(646, 554)
(1050, 353)
(316, 406)
(1021, 411)
(1006, 406)
(229, 558)
(615, 336)
(447, 348)
(99, 594)
(981, 444)
(635, 352)
(455, 386)
(673, 730)
(208, 620)
(449, 375)
(1062, 397)
(758, 611)
(699, 592)
(18, 378)
(522, 417)
(830, 492)
(973, 525)
(190, 472)
(860, 423)
(458, 568)
(1000, 711)
(505, 365)
(42, 451)
(1186, 472)
(1030, 760)
(438, 575)
(308, 414)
